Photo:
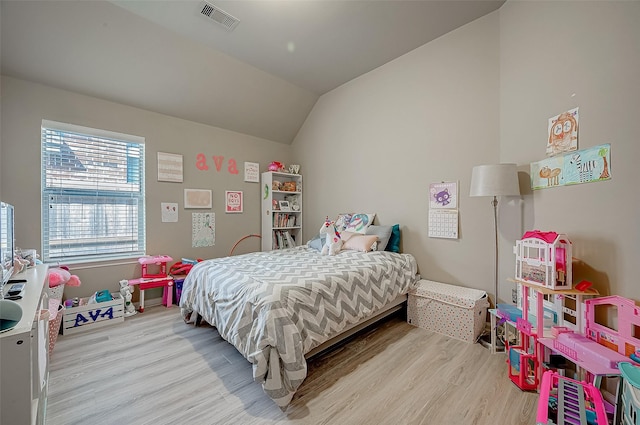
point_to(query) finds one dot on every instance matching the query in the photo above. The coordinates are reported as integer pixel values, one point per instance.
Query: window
(92, 194)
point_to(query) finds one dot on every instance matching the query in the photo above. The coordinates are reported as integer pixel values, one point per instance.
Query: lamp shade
(494, 180)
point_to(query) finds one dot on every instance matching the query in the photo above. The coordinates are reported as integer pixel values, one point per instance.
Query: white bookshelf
(281, 226)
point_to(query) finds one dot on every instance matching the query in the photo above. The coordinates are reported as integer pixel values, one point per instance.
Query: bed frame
(387, 310)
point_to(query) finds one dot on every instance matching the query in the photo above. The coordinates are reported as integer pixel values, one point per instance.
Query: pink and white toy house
(622, 336)
(561, 308)
(544, 259)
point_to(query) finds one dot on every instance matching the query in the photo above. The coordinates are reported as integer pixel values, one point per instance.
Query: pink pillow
(358, 242)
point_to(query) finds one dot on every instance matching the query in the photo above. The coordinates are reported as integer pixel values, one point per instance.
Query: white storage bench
(450, 310)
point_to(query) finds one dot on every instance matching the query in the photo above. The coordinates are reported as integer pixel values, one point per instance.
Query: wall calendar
(443, 210)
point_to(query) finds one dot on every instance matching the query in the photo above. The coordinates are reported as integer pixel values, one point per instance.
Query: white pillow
(358, 242)
(360, 222)
(383, 233)
(343, 221)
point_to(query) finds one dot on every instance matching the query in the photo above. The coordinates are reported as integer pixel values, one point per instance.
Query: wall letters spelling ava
(201, 163)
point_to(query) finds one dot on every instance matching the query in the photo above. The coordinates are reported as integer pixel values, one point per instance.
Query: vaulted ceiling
(261, 78)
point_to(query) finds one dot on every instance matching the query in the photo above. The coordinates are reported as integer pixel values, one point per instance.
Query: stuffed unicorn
(333, 242)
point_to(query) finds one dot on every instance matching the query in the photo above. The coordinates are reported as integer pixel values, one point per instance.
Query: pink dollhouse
(544, 259)
(624, 339)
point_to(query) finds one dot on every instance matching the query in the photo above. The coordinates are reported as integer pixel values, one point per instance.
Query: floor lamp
(495, 180)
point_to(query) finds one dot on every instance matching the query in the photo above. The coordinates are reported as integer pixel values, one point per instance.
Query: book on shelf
(283, 239)
(284, 220)
(289, 240)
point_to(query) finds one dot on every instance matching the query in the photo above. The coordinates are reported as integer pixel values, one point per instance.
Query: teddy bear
(126, 291)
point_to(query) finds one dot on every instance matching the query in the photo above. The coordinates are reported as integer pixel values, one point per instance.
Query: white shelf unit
(24, 354)
(281, 227)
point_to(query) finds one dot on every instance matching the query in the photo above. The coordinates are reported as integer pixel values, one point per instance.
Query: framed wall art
(169, 167)
(197, 198)
(233, 201)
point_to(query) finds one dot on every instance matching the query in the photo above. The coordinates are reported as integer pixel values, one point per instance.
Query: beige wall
(25, 104)
(555, 56)
(483, 94)
(376, 143)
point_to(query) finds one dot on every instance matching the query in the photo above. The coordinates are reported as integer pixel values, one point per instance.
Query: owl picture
(563, 133)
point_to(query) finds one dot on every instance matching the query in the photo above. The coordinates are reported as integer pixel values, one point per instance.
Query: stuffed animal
(276, 166)
(126, 291)
(333, 242)
(60, 275)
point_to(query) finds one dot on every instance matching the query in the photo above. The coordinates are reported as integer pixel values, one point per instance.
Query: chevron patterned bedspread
(276, 306)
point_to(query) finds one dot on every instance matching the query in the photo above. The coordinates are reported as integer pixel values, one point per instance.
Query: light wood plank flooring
(155, 369)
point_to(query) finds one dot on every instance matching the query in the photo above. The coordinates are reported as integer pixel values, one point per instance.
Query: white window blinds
(92, 194)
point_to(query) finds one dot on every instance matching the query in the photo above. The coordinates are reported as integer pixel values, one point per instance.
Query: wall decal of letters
(202, 163)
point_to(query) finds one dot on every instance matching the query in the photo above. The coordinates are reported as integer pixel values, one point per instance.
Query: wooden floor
(155, 369)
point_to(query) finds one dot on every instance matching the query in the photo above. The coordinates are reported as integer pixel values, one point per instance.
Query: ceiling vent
(218, 15)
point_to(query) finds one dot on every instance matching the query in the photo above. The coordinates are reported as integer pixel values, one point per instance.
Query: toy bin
(92, 316)
(56, 312)
(450, 310)
(177, 286)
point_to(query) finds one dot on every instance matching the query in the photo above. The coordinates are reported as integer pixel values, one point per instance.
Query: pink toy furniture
(603, 349)
(575, 402)
(621, 340)
(538, 332)
(524, 359)
(544, 258)
(160, 279)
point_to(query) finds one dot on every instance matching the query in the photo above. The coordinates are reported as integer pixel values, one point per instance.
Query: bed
(280, 307)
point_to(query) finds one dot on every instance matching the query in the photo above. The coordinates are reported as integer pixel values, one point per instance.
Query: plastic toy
(630, 394)
(523, 358)
(621, 340)
(575, 346)
(158, 260)
(567, 401)
(183, 267)
(544, 258)
(333, 241)
(583, 285)
(563, 307)
(533, 301)
(276, 166)
(154, 280)
(126, 291)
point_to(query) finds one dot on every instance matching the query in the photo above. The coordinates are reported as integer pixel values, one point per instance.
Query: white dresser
(24, 355)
